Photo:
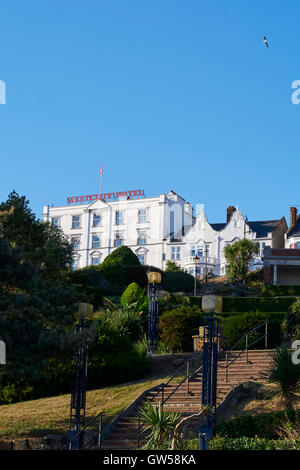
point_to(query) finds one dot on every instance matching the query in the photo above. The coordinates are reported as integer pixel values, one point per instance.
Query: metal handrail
(265, 335)
(185, 365)
(98, 435)
(162, 391)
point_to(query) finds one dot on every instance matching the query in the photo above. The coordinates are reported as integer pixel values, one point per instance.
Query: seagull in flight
(265, 41)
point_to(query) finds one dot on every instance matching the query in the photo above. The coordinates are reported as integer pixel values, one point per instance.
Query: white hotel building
(157, 229)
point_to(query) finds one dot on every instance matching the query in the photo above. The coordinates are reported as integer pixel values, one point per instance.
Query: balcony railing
(209, 260)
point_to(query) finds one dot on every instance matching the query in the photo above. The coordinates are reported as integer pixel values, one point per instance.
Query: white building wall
(155, 227)
(160, 244)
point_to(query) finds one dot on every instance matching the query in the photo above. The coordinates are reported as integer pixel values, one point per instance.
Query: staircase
(124, 435)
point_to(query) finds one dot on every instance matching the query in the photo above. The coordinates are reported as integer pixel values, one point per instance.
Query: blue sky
(167, 94)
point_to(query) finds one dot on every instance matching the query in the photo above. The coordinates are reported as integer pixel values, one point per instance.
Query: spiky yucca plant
(285, 375)
(160, 425)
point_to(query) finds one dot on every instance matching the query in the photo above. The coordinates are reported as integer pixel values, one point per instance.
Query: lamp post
(78, 395)
(206, 251)
(154, 279)
(196, 260)
(210, 304)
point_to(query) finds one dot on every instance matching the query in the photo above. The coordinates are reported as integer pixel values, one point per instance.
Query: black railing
(164, 398)
(95, 439)
(246, 338)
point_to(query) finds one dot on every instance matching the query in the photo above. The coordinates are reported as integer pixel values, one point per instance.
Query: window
(298, 245)
(119, 218)
(207, 249)
(141, 259)
(118, 241)
(75, 242)
(196, 250)
(96, 220)
(76, 221)
(95, 261)
(55, 221)
(142, 239)
(95, 241)
(200, 252)
(262, 248)
(75, 263)
(175, 254)
(142, 217)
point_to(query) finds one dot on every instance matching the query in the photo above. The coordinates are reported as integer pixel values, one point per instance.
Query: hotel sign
(107, 196)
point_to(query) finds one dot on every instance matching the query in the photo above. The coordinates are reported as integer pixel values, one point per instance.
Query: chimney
(230, 211)
(293, 216)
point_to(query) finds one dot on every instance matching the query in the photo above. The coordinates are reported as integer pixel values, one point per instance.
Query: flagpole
(101, 174)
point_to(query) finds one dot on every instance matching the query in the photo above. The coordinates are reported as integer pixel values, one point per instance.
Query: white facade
(159, 229)
(208, 241)
(145, 225)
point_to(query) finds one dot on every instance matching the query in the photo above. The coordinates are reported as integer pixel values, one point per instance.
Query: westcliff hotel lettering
(107, 196)
(158, 229)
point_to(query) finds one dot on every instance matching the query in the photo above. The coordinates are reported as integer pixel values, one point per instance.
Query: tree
(238, 256)
(43, 244)
(172, 266)
(34, 317)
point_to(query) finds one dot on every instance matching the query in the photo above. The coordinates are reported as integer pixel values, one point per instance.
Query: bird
(265, 41)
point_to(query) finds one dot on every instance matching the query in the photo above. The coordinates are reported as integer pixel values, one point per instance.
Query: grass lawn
(51, 415)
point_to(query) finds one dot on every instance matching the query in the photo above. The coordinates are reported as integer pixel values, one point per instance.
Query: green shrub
(177, 281)
(132, 294)
(114, 356)
(90, 284)
(252, 304)
(275, 291)
(14, 392)
(284, 374)
(262, 425)
(236, 326)
(193, 301)
(250, 443)
(177, 327)
(255, 277)
(170, 302)
(115, 266)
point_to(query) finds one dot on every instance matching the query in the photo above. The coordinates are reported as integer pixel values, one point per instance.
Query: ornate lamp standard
(78, 395)
(210, 304)
(154, 279)
(206, 253)
(196, 260)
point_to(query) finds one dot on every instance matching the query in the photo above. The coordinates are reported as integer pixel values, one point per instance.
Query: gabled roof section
(294, 231)
(99, 204)
(218, 227)
(263, 227)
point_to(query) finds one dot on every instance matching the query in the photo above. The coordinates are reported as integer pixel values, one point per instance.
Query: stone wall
(50, 442)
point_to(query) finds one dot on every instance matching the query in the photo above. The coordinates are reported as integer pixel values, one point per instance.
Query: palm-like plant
(285, 375)
(160, 425)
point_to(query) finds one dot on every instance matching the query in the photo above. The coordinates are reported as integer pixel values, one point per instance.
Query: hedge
(275, 291)
(250, 304)
(177, 281)
(236, 326)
